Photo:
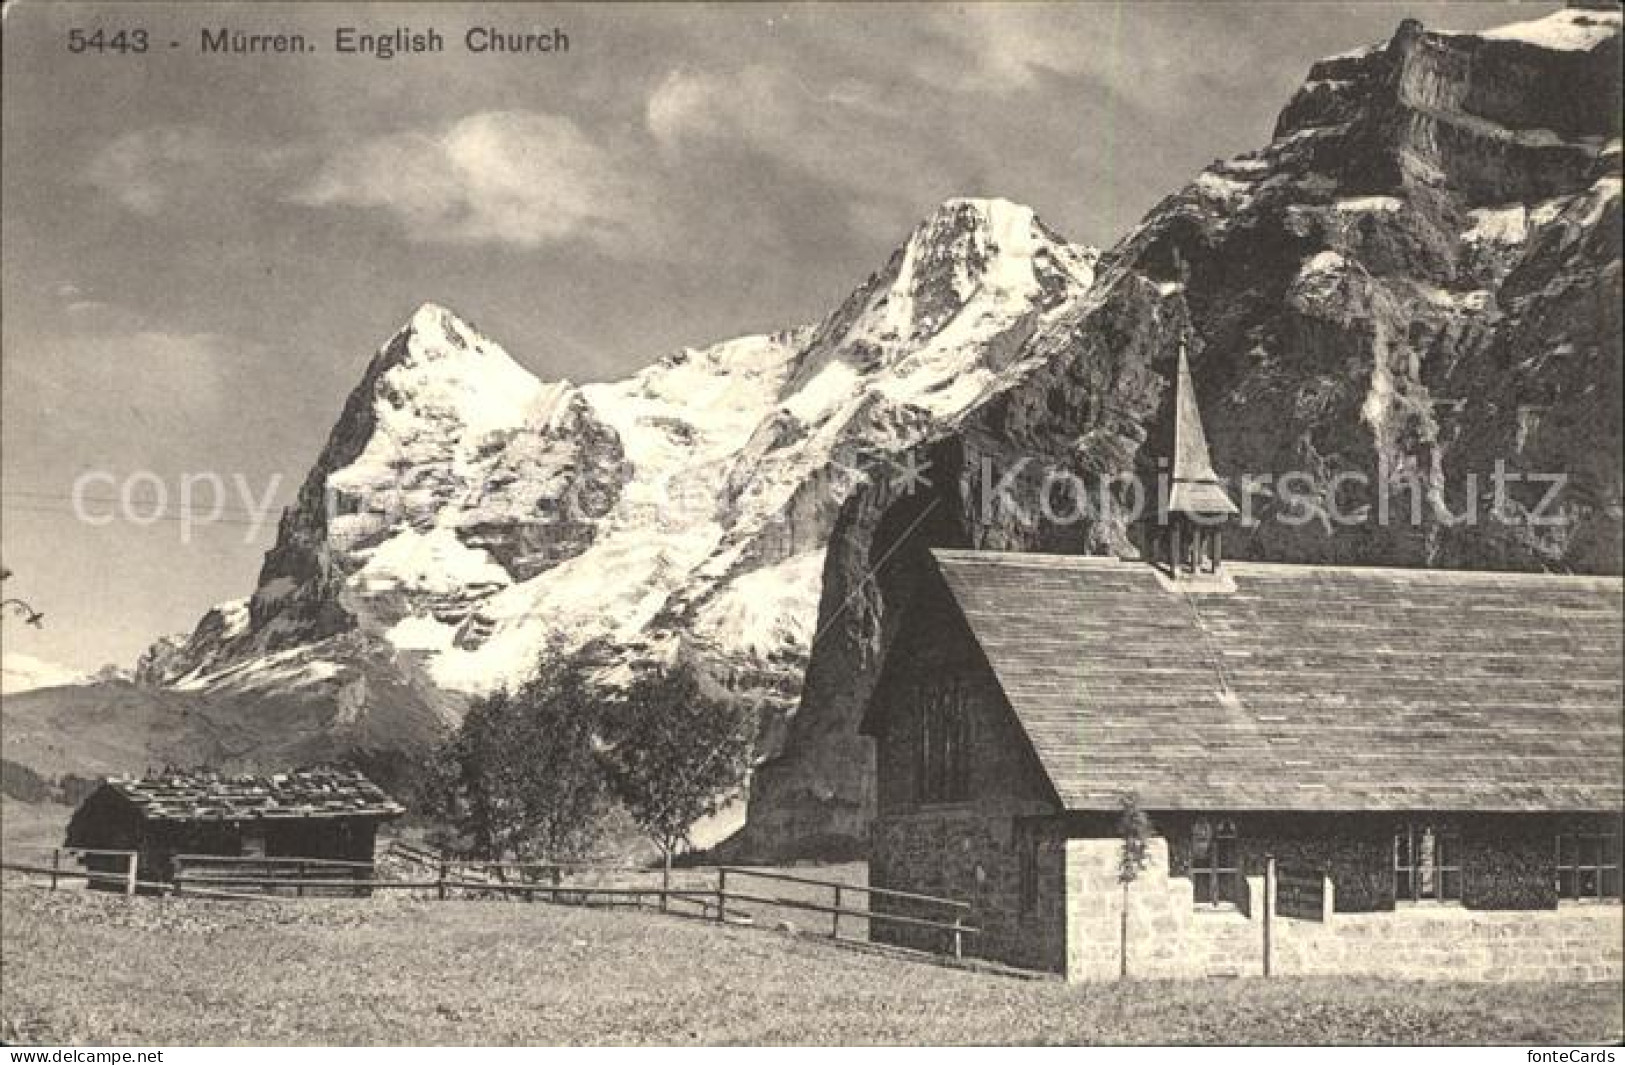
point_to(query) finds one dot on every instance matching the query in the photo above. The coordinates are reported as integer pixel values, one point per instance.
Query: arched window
(943, 756)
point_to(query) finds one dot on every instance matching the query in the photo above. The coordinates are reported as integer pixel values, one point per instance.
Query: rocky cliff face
(463, 514)
(1414, 286)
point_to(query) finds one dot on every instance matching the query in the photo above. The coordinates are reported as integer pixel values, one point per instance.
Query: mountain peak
(989, 220)
(1573, 29)
(437, 326)
(969, 250)
(436, 342)
(438, 366)
(430, 312)
(988, 208)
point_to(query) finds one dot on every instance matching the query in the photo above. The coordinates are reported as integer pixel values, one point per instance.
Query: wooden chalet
(309, 813)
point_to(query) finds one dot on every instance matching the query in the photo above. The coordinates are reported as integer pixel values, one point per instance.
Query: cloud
(1143, 58)
(163, 379)
(160, 371)
(74, 300)
(133, 168)
(168, 370)
(844, 135)
(151, 170)
(1007, 49)
(684, 105)
(524, 178)
(768, 107)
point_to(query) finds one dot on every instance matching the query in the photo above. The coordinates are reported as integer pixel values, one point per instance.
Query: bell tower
(1194, 507)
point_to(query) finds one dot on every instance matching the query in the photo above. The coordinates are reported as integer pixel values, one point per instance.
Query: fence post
(959, 946)
(56, 861)
(440, 887)
(722, 895)
(835, 918)
(299, 874)
(1269, 909)
(129, 872)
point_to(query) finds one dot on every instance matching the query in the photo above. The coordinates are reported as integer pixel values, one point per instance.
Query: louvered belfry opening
(1194, 506)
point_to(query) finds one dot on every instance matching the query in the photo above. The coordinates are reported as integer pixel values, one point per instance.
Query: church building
(1400, 773)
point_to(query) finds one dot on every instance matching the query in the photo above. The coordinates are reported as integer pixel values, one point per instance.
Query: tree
(520, 777)
(1134, 827)
(673, 754)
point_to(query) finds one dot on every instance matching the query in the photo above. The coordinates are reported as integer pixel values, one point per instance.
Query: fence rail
(228, 877)
(270, 862)
(300, 876)
(56, 871)
(498, 872)
(952, 924)
(891, 893)
(187, 880)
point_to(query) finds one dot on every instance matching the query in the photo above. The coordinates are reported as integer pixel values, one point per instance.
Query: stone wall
(971, 850)
(959, 853)
(1170, 937)
(1507, 859)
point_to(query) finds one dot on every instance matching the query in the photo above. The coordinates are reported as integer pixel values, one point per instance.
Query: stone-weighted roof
(217, 797)
(1305, 687)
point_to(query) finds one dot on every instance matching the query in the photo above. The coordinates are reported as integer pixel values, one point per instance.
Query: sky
(200, 253)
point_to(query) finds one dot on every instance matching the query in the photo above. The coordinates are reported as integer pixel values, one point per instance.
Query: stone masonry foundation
(1169, 937)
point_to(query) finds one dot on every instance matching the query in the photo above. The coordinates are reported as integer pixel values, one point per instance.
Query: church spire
(1196, 488)
(1196, 505)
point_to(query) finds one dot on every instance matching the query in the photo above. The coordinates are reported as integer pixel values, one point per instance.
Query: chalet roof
(288, 796)
(1305, 687)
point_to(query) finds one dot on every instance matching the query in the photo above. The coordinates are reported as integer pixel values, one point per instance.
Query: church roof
(1305, 687)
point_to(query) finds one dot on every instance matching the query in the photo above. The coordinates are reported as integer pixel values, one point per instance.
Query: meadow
(91, 968)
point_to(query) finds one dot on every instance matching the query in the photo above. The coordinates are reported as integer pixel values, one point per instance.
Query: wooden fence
(293, 876)
(81, 864)
(737, 895)
(951, 922)
(545, 872)
(399, 848)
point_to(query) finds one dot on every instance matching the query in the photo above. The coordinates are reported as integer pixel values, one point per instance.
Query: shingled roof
(1305, 687)
(215, 797)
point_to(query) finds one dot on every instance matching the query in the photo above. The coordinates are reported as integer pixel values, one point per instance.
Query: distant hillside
(21, 673)
(117, 727)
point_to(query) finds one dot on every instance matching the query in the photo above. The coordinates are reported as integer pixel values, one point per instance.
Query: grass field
(32, 825)
(81, 967)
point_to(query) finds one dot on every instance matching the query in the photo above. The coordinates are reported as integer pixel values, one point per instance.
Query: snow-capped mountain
(1419, 274)
(464, 513)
